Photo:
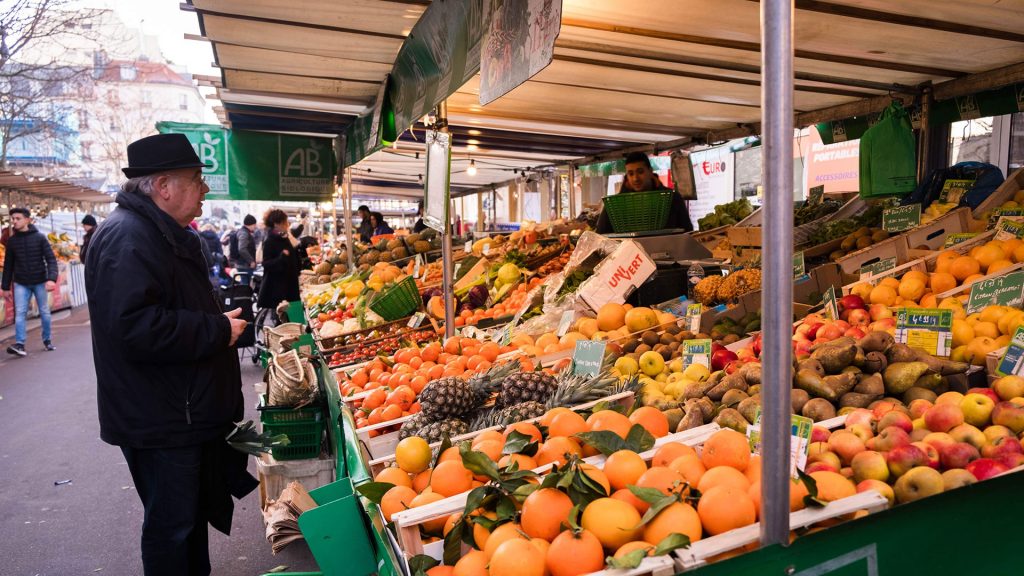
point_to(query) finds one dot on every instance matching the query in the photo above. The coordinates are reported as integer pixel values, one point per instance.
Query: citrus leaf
(475, 498)
(672, 542)
(631, 560)
(604, 441)
(453, 542)
(811, 500)
(519, 443)
(657, 507)
(649, 495)
(374, 491)
(524, 491)
(639, 439)
(420, 563)
(478, 463)
(574, 518)
(446, 443)
(506, 509)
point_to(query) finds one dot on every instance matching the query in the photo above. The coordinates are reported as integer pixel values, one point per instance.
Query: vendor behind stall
(640, 177)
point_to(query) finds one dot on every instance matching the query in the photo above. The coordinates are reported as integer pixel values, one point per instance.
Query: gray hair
(142, 185)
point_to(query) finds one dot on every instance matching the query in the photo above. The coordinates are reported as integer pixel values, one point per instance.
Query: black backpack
(233, 246)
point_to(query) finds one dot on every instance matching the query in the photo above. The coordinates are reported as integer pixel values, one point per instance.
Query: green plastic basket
(304, 427)
(398, 301)
(639, 211)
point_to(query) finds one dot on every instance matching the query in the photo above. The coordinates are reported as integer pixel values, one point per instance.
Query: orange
(396, 500)
(797, 491)
(487, 435)
(549, 416)
(941, 282)
(567, 423)
(556, 449)
(928, 301)
(662, 478)
(832, 485)
(987, 329)
(723, 476)
(395, 476)
(915, 274)
(611, 316)
(544, 511)
(997, 266)
(669, 452)
(545, 340)
(574, 554)
(911, 289)
(421, 481)
(1018, 253)
(609, 420)
(517, 558)
(652, 419)
(883, 294)
(526, 429)
(481, 534)
(613, 521)
(413, 454)
(597, 475)
(492, 448)
(724, 508)
(501, 534)
(441, 571)
(433, 526)
(753, 471)
(628, 497)
(525, 462)
(474, 563)
(690, 467)
(972, 279)
(451, 478)
(726, 448)
(944, 261)
(450, 523)
(624, 468)
(677, 517)
(631, 546)
(963, 267)
(988, 254)
(450, 454)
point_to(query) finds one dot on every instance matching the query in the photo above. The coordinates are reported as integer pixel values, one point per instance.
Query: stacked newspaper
(282, 515)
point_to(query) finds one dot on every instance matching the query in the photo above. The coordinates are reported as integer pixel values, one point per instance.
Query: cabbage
(477, 296)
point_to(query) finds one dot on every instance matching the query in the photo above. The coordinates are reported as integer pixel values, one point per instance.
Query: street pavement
(91, 525)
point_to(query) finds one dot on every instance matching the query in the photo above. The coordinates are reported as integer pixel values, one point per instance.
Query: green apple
(869, 465)
(676, 366)
(918, 482)
(957, 478)
(627, 366)
(652, 363)
(977, 409)
(662, 377)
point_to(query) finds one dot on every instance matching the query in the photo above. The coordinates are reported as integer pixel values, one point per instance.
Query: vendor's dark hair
(378, 216)
(634, 157)
(363, 207)
(273, 217)
(23, 211)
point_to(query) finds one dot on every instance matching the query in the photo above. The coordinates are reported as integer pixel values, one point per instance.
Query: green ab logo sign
(212, 149)
(304, 166)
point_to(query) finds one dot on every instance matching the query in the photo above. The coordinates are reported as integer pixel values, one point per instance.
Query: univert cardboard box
(622, 272)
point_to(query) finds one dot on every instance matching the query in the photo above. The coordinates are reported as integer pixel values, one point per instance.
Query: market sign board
(520, 42)
(588, 357)
(798, 264)
(901, 218)
(926, 329)
(211, 145)
(1012, 361)
(696, 352)
(799, 444)
(436, 191)
(1005, 290)
(878, 268)
(1008, 228)
(954, 189)
(957, 238)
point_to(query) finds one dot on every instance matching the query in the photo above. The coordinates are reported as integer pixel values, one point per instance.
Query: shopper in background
(640, 177)
(89, 225)
(31, 268)
(419, 226)
(280, 262)
(365, 229)
(245, 261)
(379, 225)
(167, 374)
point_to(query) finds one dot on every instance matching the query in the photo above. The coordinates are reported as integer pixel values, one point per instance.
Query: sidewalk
(92, 525)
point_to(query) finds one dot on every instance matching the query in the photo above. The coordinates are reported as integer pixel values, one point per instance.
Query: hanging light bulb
(471, 171)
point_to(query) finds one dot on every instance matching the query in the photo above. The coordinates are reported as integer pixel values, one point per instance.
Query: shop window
(1016, 142)
(971, 140)
(183, 101)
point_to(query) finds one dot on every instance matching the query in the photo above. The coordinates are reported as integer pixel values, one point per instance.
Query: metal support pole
(573, 209)
(777, 280)
(349, 236)
(448, 273)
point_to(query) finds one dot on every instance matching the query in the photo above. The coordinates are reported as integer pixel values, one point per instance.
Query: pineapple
(706, 290)
(510, 414)
(454, 397)
(432, 431)
(525, 386)
(739, 283)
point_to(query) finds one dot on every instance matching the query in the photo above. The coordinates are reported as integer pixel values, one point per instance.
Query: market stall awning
(19, 183)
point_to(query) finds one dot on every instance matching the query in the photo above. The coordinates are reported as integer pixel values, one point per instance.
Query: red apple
(880, 407)
(896, 418)
(812, 332)
(828, 332)
(889, 439)
(845, 444)
(930, 452)
(1000, 446)
(903, 458)
(918, 407)
(1009, 413)
(820, 466)
(880, 487)
(943, 417)
(939, 440)
(987, 392)
(851, 302)
(820, 434)
(969, 434)
(854, 332)
(755, 344)
(883, 325)
(860, 416)
(862, 431)
(879, 311)
(985, 468)
(1012, 460)
(720, 358)
(859, 317)
(958, 455)
(843, 324)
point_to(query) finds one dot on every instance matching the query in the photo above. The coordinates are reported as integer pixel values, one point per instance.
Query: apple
(802, 349)
(859, 317)
(870, 465)
(1010, 413)
(903, 458)
(880, 407)
(879, 311)
(1012, 460)
(943, 417)
(882, 325)
(930, 452)
(985, 468)
(846, 445)
(1000, 446)
(652, 363)
(755, 344)
(851, 302)
(939, 439)
(846, 472)
(843, 324)
(918, 434)
(995, 431)
(880, 487)
(950, 397)
(744, 353)
(820, 434)
(889, 439)
(987, 392)
(977, 408)
(896, 418)
(957, 478)
(957, 455)
(821, 466)
(919, 482)
(969, 434)
(805, 330)
(1008, 387)
(722, 357)
(861, 416)
(862, 431)
(920, 425)
(854, 332)
(918, 407)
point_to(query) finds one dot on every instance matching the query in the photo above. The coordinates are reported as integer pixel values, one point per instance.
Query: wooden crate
(747, 232)
(902, 247)
(1013, 184)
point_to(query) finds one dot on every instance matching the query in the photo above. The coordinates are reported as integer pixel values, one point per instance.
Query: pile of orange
(507, 307)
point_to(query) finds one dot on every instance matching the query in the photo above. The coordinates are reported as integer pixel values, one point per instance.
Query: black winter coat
(83, 251)
(280, 272)
(29, 259)
(165, 374)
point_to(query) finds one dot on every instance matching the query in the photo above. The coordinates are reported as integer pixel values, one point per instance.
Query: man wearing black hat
(167, 375)
(89, 225)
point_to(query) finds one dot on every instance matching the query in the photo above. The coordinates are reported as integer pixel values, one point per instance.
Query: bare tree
(41, 66)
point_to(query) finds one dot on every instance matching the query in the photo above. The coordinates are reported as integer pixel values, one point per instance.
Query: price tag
(693, 313)
(588, 357)
(878, 268)
(800, 427)
(957, 238)
(926, 329)
(416, 320)
(487, 249)
(953, 190)
(1007, 229)
(901, 218)
(831, 304)
(814, 195)
(798, 264)
(1006, 290)
(469, 246)
(1011, 213)
(417, 265)
(337, 295)
(566, 322)
(1012, 361)
(696, 352)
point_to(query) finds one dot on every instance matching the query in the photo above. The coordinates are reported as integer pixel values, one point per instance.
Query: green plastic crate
(639, 211)
(398, 301)
(304, 427)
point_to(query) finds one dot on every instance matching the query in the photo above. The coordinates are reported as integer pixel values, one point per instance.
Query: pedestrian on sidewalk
(169, 387)
(89, 225)
(245, 260)
(32, 269)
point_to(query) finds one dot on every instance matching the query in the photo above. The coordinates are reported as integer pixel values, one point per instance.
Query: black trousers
(174, 531)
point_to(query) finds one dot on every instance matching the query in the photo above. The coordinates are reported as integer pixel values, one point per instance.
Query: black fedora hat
(160, 153)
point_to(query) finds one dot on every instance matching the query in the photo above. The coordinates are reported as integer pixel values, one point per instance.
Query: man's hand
(51, 285)
(285, 252)
(237, 326)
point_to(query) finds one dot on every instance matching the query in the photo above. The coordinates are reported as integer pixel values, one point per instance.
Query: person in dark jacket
(280, 262)
(379, 225)
(365, 229)
(31, 269)
(245, 263)
(168, 380)
(89, 225)
(640, 177)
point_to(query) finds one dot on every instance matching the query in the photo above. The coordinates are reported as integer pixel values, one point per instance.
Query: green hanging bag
(888, 155)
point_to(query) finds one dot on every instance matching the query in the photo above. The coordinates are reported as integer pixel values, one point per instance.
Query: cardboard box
(617, 276)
